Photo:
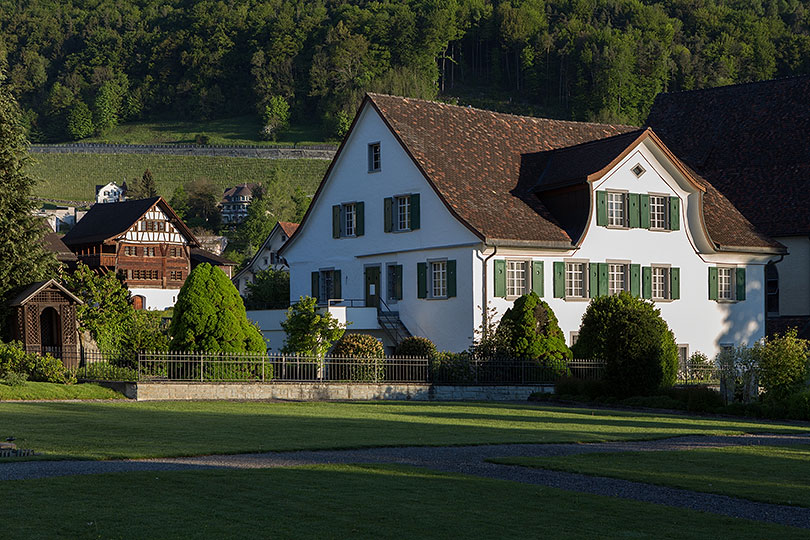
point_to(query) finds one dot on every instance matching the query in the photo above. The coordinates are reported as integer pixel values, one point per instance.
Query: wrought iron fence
(699, 374)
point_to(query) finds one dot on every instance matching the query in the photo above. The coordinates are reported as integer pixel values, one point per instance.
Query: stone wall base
(332, 391)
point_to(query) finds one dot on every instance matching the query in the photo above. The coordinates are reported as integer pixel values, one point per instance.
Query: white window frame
(667, 276)
(374, 157)
(348, 219)
(402, 213)
(573, 337)
(513, 288)
(437, 286)
(732, 290)
(625, 266)
(662, 225)
(570, 289)
(617, 203)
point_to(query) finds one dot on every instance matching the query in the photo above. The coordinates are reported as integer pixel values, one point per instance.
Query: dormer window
(638, 170)
(374, 157)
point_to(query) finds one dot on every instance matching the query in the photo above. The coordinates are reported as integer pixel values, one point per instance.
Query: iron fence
(699, 374)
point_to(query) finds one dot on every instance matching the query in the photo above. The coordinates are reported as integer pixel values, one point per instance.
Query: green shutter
(712, 283)
(316, 284)
(337, 290)
(559, 279)
(646, 282)
(500, 278)
(675, 283)
(421, 280)
(398, 282)
(635, 280)
(593, 280)
(388, 214)
(336, 221)
(644, 211)
(633, 206)
(603, 279)
(415, 217)
(674, 213)
(537, 278)
(601, 209)
(740, 281)
(451, 279)
(360, 218)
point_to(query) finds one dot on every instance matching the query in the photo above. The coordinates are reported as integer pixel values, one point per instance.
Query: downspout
(484, 301)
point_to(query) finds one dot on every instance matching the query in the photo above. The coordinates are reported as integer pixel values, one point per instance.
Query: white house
(266, 256)
(430, 212)
(111, 193)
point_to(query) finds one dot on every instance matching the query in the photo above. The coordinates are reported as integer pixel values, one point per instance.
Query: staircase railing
(390, 323)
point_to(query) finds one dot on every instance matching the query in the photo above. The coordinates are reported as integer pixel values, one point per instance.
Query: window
(616, 211)
(327, 285)
(725, 285)
(617, 278)
(349, 219)
(176, 275)
(153, 225)
(438, 279)
(660, 283)
(772, 287)
(130, 251)
(403, 204)
(638, 170)
(516, 278)
(143, 275)
(149, 252)
(574, 338)
(658, 212)
(575, 280)
(394, 282)
(373, 157)
(175, 252)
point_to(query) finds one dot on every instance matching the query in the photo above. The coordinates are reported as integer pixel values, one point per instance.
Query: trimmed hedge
(417, 347)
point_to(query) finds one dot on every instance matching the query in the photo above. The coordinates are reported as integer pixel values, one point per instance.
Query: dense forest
(79, 67)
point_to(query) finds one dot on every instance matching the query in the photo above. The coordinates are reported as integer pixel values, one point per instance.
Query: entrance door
(50, 330)
(373, 286)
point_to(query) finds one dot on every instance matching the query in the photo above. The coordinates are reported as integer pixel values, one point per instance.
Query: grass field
(41, 390)
(75, 176)
(242, 130)
(344, 501)
(772, 474)
(103, 430)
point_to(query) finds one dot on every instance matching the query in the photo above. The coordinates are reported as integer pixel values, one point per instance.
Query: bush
(358, 346)
(573, 387)
(308, 331)
(782, 365)
(104, 371)
(636, 344)
(202, 139)
(738, 374)
(13, 359)
(529, 329)
(366, 356)
(275, 117)
(16, 379)
(417, 347)
(798, 405)
(451, 367)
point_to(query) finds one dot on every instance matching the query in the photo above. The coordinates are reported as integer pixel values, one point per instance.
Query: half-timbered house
(143, 240)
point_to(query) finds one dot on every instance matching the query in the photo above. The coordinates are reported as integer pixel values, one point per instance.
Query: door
(372, 286)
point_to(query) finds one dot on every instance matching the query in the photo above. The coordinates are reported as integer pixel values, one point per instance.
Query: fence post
(138, 358)
(201, 366)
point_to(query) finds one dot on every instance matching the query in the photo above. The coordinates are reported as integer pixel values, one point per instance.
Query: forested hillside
(79, 67)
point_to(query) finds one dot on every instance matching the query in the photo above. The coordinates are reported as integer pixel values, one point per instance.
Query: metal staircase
(391, 324)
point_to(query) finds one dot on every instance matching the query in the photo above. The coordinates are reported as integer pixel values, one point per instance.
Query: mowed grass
(74, 176)
(42, 390)
(242, 130)
(341, 501)
(772, 474)
(99, 430)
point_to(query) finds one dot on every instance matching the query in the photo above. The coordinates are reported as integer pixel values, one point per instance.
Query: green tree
(529, 329)
(255, 227)
(275, 117)
(309, 332)
(783, 365)
(106, 108)
(179, 202)
(629, 334)
(209, 316)
(270, 290)
(143, 187)
(203, 205)
(80, 121)
(22, 252)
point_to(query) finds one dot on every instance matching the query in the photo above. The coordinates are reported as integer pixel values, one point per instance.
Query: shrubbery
(638, 347)
(13, 359)
(529, 329)
(782, 365)
(416, 347)
(366, 356)
(308, 331)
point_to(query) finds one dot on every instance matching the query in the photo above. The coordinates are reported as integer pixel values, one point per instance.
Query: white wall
(794, 277)
(156, 298)
(449, 322)
(269, 322)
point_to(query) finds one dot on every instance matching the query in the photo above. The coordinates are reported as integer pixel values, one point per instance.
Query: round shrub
(636, 344)
(782, 365)
(364, 358)
(417, 347)
(529, 329)
(358, 346)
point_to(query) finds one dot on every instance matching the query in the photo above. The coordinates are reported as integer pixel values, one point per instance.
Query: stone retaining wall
(325, 152)
(332, 391)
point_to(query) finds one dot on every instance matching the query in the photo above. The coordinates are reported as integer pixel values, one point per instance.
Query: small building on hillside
(235, 202)
(141, 239)
(111, 193)
(266, 256)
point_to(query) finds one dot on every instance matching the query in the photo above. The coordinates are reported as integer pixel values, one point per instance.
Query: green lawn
(772, 474)
(75, 176)
(99, 430)
(343, 501)
(41, 390)
(243, 130)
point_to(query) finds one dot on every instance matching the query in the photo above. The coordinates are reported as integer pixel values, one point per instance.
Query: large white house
(430, 212)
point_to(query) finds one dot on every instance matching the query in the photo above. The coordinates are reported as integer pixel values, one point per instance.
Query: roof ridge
(497, 113)
(735, 85)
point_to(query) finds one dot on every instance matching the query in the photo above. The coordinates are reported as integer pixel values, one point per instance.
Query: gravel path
(470, 460)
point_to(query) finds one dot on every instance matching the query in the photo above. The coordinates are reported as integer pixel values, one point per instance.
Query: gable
(155, 226)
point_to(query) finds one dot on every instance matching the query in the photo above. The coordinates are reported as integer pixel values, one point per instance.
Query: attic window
(638, 170)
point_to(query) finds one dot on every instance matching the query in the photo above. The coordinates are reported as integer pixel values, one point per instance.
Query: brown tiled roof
(288, 228)
(53, 242)
(750, 141)
(481, 162)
